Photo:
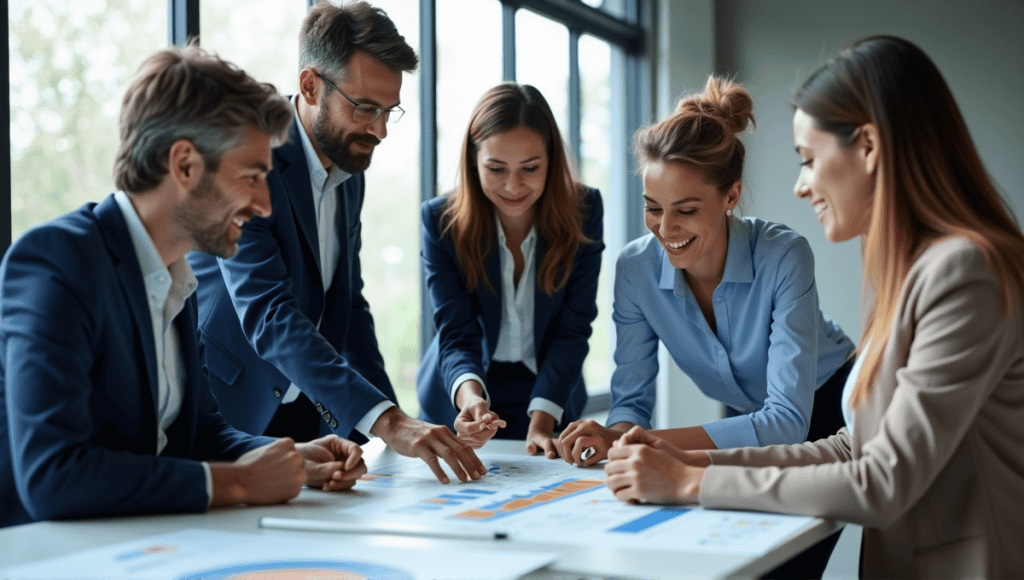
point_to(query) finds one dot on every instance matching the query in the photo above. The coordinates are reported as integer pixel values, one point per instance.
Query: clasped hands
(643, 468)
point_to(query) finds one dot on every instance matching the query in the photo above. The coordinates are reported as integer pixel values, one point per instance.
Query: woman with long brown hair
(511, 257)
(932, 459)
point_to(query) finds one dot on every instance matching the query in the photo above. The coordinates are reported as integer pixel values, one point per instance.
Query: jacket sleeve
(281, 333)
(831, 449)
(961, 345)
(569, 331)
(460, 336)
(49, 323)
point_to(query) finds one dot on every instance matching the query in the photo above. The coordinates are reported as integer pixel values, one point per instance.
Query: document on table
(211, 555)
(533, 498)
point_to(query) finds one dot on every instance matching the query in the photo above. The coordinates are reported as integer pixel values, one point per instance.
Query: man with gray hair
(289, 338)
(106, 406)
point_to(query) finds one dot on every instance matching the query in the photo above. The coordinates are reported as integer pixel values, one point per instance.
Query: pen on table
(587, 453)
(388, 528)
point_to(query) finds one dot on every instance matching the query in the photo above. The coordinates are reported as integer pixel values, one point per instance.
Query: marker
(393, 529)
(587, 453)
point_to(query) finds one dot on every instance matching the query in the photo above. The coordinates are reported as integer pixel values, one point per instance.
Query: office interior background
(605, 66)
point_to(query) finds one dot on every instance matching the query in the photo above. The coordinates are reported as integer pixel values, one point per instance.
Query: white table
(42, 540)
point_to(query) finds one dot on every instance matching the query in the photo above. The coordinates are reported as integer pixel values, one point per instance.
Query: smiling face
(213, 212)
(688, 216)
(838, 181)
(348, 143)
(513, 168)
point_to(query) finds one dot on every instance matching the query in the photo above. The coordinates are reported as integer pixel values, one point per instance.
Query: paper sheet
(538, 499)
(211, 555)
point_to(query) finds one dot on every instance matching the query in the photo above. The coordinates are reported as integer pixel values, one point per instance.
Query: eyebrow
(375, 103)
(677, 202)
(493, 160)
(261, 166)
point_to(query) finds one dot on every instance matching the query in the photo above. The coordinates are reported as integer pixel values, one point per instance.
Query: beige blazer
(933, 463)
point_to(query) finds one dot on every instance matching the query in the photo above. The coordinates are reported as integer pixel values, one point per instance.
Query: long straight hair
(468, 215)
(932, 182)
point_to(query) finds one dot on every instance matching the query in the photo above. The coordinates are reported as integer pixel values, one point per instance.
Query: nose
(378, 127)
(261, 200)
(669, 224)
(800, 188)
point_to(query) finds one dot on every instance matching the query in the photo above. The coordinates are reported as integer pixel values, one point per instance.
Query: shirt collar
(739, 262)
(325, 180)
(528, 242)
(157, 278)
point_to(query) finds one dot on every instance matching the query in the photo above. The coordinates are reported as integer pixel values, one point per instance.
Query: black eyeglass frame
(370, 113)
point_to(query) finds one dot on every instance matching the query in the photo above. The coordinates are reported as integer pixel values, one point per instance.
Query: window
(69, 66)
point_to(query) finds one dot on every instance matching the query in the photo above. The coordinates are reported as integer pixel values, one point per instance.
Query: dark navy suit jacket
(467, 325)
(258, 310)
(79, 372)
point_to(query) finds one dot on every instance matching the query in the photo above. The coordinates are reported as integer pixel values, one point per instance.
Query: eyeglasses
(364, 113)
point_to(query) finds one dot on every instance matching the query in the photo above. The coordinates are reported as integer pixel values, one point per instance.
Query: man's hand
(476, 423)
(332, 463)
(270, 474)
(582, 434)
(414, 438)
(538, 436)
(638, 436)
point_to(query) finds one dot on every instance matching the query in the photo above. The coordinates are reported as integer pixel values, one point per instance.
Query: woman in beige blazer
(932, 459)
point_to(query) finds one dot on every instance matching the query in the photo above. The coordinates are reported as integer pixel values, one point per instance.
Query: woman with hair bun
(733, 299)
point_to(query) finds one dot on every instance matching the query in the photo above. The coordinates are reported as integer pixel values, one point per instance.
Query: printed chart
(537, 499)
(211, 555)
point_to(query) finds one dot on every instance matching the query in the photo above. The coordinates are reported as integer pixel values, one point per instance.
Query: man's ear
(870, 146)
(308, 86)
(185, 165)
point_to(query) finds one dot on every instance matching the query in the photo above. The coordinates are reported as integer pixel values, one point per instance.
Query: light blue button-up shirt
(771, 349)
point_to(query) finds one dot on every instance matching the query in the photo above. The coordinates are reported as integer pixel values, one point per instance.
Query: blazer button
(327, 415)
(319, 408)
(277, 393)
(333, 423)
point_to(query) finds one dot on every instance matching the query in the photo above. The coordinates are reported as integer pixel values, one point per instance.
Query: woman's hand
(642, 473)
(538, 436)
(580, 435)
(476, 423)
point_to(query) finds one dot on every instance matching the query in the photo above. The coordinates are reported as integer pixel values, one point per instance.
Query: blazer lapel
(543, 305)
(490, 302)
(295, 183)
(129, 275)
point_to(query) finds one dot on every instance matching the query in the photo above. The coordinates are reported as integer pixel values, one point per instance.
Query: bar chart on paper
(538, 499)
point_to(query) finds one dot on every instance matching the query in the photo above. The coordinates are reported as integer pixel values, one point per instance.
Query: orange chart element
(563, 489)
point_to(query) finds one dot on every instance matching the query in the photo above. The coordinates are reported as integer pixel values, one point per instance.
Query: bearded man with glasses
(288, 336)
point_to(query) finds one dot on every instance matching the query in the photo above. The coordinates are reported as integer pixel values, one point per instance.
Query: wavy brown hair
(931, 181)
(702, 133)
(468, 215)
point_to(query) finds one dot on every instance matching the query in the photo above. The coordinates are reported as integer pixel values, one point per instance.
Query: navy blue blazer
(79, 371)
(258, 310)
(467, 325)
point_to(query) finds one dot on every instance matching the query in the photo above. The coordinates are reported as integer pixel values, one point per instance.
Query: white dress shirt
(167, 289)
(324, 184)
(515, 335)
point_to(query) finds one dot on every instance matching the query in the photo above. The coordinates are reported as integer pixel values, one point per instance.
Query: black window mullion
(575, 104)
(428, 142)
(508, 41)
(5, 161)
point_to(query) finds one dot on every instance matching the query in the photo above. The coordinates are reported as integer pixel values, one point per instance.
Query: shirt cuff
(469, 377)
(209, 484)
(542, 404)
(620, 415)
(366, 423)
(732, 432)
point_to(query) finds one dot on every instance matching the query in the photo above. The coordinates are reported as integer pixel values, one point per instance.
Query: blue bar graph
(650, 520)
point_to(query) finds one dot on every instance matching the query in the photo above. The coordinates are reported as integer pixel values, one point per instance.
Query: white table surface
(41, 540)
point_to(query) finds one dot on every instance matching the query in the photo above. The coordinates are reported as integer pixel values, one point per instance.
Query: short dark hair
(187, 93)
(330, 34)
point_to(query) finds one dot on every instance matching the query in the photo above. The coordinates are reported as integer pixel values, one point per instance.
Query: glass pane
(596, 153)
(594, 3)
(262, 38)
(542, 60)
(390, 256)
(468, 64)
(70, 64)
